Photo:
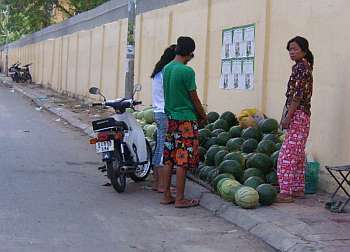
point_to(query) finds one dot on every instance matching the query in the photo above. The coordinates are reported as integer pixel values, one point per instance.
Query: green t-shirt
(178, 81)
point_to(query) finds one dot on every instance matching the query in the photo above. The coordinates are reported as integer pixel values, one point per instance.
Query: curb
(273, 227)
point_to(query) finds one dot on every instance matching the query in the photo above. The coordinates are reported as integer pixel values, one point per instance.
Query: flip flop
(188, 203)
(167, 202)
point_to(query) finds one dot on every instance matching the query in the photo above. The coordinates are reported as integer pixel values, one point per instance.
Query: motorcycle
(20, 73)
(121, 142)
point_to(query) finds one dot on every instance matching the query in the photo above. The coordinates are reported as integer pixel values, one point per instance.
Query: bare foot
(186, 203)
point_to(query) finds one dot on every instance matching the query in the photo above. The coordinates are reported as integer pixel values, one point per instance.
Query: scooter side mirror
(138, 88)
(94, 91)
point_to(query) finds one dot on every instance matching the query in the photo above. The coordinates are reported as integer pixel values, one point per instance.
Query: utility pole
(6, 14)
(130, 55)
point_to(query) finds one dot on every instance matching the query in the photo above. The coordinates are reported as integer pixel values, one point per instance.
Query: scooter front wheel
(142, 171)
(118, 180)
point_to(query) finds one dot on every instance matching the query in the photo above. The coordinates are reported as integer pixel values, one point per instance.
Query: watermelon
(260, 161)
(148, 116)
(211, 174)
(278, 146)
(267, 194)
(251, 132)
(218, 185)
(142, 123)
(271, 137)
(269, 125)
(254, 182)
(272, 178)
(231, 167)
(236, 156)
(274, 158)
(210, 156)
(204, 133)
(202, 152)
(140, 115)
(212, 116)
(266, 146)
(251, 172)
(135, 114)
(204, 172)
(219, 157)
(234, 144)
(210, 142)
(235, 131)
(249, 145)
(247, 197)
(151, 129)
(210, 126)
(234, 190)
(230, 118)
(221, 124)
(225, 189)
(223, 138)
(196, 171)
(216, 132)
(219, 177)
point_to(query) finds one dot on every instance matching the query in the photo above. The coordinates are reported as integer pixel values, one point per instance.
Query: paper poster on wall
(249, 38)
(237, 43)
(226, 74)
(248, 74)
(237, 74)
(227, 45)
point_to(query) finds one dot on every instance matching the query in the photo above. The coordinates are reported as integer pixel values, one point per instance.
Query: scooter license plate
(104, 146)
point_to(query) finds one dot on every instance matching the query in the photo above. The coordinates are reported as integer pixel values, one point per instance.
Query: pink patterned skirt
(291, 160)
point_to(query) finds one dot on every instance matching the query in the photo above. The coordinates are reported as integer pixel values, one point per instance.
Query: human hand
(285, 123)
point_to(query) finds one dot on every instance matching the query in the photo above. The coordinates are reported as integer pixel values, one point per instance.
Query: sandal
(284, 199)
(167, 201)
(187, 203)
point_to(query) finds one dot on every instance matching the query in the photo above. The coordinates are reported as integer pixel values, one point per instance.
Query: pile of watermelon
(240, 163)
(145, 118)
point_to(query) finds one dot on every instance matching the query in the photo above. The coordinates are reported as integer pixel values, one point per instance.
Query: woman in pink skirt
(296, 120)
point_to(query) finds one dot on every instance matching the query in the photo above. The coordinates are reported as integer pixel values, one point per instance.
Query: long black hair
(168, 55)
(304, 45)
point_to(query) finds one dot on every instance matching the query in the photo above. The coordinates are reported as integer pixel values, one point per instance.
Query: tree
(26, 17)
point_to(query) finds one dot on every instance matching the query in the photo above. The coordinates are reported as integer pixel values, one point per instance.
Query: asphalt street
(52, 198)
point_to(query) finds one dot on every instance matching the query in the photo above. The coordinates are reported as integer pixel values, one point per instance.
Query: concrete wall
(96, 56)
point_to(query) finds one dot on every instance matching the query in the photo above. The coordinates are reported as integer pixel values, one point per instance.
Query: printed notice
(227, 45)
(249, 38)
(237, 74)
(226, 74)
(248, 74)
(237, 43)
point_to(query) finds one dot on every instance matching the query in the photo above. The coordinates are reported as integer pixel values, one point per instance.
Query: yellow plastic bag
(250, 117)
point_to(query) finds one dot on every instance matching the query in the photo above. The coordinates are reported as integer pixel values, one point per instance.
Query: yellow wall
(73, 63)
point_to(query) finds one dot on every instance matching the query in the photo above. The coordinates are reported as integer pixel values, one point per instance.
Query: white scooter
(122, 143)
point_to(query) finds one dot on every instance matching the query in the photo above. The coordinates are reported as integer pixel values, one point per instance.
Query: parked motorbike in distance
(121, 142)
(20, 73)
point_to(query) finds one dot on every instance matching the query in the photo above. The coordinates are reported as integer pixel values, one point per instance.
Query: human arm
(202, 116)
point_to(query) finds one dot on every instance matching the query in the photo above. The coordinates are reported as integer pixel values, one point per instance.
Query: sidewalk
(301, 226)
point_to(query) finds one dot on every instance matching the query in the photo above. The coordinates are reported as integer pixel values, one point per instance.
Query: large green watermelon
(235, 131)
(219, 157)
(151, 129)
(210, 126)
(231, 167)
(269, 125)
(251, 132)
(221, 124)
(218, 185)
(216, 132)
(140, 115)
(274, 158)
(234, 190)
(266, 146)
(204, 135)
(210, 142)
(213, 116)
(211, 174)
(267, 194)
(148, 116)
(225, 189)
(202, 152)
(271, 137)
(223, 138)
(230, 118)
(204, 172)
(210, 156)
(249, 145)
(236, 156)
(272, 178)
(247, 197)
(219, 177)
(278, 146)
(234, 144)
(250, 172)
(260, 161)
(254, 182)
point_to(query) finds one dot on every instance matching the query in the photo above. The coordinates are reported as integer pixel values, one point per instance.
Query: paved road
(51, 198)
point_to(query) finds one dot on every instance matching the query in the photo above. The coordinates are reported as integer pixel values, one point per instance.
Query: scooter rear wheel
(118, 180)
